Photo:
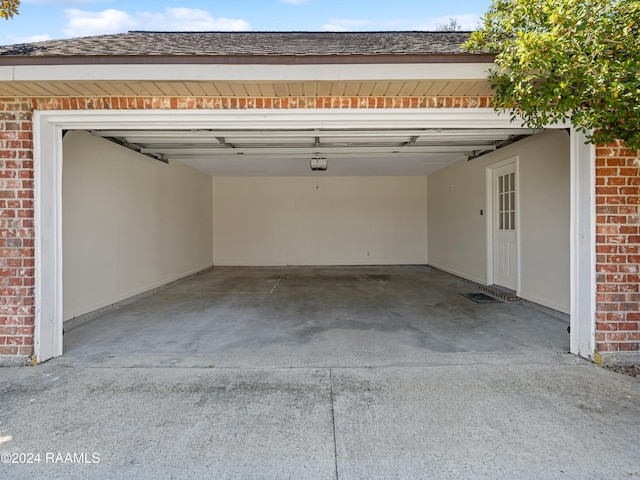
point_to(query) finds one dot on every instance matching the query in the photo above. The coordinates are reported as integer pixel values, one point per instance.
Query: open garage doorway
(409, 211)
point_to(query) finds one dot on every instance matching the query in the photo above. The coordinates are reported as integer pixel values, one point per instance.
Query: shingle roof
(222, 44)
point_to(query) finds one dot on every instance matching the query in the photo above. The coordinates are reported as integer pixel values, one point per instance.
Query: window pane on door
(507, 201)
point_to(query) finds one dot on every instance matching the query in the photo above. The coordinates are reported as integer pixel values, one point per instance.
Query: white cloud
(294, 2)
(187, 19)
(34, 38)
(466, 22)
(345, 24)
(83, 23)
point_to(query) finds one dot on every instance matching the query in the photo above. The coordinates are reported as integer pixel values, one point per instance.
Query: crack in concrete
(333, 422)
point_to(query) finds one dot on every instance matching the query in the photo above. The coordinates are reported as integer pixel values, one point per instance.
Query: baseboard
(89, 316)
(479, 281)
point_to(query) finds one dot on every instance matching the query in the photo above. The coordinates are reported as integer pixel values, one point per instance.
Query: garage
(383, 153)
(322, 239)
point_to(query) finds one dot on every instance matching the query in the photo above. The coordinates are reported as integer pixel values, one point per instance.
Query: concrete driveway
(329, 395)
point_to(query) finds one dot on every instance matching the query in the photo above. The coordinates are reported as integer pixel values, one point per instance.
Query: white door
(505, 245)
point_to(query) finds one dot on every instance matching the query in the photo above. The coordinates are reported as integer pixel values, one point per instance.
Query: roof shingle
(219, 44)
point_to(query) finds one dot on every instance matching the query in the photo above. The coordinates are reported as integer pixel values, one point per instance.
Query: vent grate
(480, 298)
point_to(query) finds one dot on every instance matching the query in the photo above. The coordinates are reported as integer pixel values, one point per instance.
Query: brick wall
(17, 255)
(617, 253)
(618, 217)
(236, 103)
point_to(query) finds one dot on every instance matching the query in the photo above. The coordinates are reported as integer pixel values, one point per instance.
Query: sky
(54, 19)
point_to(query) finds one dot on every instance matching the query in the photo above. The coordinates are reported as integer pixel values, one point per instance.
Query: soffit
(257, 89)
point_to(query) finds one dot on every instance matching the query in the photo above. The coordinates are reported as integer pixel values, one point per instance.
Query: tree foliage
(9, 8)
(567, 59)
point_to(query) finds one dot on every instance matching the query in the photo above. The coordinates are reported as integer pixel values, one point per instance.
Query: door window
(507, 201)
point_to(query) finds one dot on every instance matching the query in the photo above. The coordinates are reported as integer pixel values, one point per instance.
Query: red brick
(629, 288)
(607, 229)
(616, 200)
(607, 307)
(607, 287)
(616, 337)
(627, 326)
(633, 180)
(607, 347)
(616, 181)
(9, 350)
(602, 326)
(609, 209)
(629, 268)
(606, 268)
(633, 190)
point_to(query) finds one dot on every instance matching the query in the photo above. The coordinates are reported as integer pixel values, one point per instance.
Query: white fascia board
(282, 119)
(7, 74)
(297, 73)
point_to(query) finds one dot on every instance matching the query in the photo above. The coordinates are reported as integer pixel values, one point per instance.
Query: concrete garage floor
(314, 316)
(323, 373)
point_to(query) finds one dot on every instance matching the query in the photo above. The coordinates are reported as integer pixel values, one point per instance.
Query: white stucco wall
(130, 223)
(457, 231)
(345, 221)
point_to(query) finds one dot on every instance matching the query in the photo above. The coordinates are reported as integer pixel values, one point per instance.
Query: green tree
(9, 8)
(567, 59)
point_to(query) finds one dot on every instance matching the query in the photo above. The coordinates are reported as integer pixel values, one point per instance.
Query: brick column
(618, 255)
(17, 253)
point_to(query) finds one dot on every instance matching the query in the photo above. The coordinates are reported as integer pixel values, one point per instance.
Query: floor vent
(503, 294)
(480, 297)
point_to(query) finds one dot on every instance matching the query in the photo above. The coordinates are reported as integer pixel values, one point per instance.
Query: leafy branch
(9, 8)
(567, 59)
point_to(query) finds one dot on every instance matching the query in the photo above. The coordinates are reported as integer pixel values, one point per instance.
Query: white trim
(247, 73)
(583, 251)
(489, 169)
(280, 119)
(488, 191)
(484, 118)
(48, 237)
(453, 271)
(48, 158)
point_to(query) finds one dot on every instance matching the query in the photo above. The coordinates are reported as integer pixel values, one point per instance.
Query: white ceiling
(288, 152)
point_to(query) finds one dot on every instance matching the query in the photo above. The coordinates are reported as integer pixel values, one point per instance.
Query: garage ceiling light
(318, 164)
